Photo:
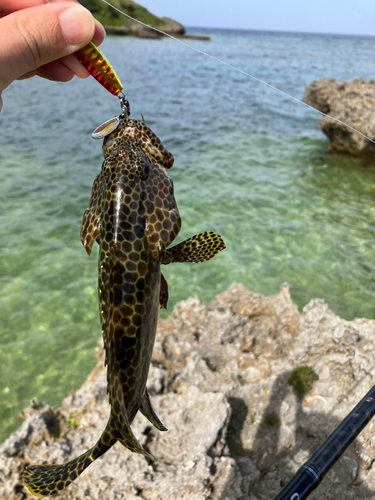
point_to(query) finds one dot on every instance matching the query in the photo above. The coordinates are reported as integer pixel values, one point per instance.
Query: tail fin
(45, 480)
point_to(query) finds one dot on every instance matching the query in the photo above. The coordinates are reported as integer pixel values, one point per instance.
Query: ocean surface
(249, 164)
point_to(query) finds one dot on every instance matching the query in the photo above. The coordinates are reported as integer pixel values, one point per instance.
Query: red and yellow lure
(99, 67)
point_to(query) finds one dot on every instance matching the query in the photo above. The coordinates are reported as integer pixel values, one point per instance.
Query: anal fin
(127, 439)
(126, 436)
(119, 416)
(147, 410)
(198, 248)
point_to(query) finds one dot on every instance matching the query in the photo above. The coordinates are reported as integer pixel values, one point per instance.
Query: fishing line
(240, 71)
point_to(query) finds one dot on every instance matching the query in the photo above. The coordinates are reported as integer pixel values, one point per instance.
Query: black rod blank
(312, 472)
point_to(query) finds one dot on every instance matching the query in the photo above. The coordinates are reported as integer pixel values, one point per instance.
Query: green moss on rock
(302, 379)
(110, 17)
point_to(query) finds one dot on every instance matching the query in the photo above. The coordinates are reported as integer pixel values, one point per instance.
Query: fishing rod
(309, 476)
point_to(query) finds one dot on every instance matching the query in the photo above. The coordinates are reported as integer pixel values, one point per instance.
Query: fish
(134, 218)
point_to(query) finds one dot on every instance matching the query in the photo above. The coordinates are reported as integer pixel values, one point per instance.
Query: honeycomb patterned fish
(133, 216)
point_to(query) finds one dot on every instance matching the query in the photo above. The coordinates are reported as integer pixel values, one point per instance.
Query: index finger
(9, 6)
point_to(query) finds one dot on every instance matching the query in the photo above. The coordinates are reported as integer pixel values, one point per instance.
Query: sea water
(249, 164)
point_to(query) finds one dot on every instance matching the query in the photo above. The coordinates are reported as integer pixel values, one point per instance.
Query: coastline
(218, 375)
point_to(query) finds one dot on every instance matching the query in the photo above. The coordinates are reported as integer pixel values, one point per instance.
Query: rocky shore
(132, 28)
(352, 103)
(116, 23)
(168, 25)
(219, 382)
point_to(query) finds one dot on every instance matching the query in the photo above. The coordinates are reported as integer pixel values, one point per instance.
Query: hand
(38, 37)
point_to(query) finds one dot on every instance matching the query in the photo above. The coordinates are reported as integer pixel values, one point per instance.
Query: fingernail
(77, 25)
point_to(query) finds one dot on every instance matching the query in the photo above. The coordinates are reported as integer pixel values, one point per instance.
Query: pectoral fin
(90, 227)
(198, 248)
(148, 411)
(163, 299)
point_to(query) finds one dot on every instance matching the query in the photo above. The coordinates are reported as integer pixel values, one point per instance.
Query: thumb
(33, 37)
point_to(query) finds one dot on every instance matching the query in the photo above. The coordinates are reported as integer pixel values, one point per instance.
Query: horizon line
(263, 30)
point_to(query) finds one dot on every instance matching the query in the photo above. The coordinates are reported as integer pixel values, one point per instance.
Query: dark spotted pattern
(134, 218)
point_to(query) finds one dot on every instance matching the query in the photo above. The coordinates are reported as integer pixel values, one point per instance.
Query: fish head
(137, 159)
(150, 144)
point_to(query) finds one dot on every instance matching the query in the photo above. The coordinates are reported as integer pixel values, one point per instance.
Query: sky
(354, 17)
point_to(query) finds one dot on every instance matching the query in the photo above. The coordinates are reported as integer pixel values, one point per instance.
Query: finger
(99, 33)
(75, 66)
(55, 70)
(31, 38)
(10, 6)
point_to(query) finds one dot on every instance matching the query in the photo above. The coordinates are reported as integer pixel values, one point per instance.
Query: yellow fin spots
(29, 487)
(198, 248)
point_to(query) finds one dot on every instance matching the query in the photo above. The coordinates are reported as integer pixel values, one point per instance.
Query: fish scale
(134, 218)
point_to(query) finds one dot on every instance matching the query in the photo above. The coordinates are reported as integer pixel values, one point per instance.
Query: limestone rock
(219, 382)
(172, 27)
(132, 28)
(352, 103)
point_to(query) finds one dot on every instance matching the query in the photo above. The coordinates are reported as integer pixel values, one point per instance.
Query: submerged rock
(352, 103)
(219, 382)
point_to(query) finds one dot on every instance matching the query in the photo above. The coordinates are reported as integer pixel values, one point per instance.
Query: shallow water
(249, 164)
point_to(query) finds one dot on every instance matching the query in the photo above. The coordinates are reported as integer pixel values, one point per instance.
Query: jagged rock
(131, 28)
(172, 27)
(219, 376)
(352, 103)
(169, 26)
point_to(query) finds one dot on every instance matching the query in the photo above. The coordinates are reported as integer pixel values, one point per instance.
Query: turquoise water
(249, 164)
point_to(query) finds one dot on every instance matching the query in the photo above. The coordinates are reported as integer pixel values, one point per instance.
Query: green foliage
(270, 420)
(110, 17)
(230, 431)
(71, 422)
(302, 379)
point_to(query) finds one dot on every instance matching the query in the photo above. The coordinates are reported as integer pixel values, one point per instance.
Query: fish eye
(146, 169)
(142, 168)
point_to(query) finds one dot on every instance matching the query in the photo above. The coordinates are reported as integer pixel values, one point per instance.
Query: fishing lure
(133, 216)
(98, 66)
